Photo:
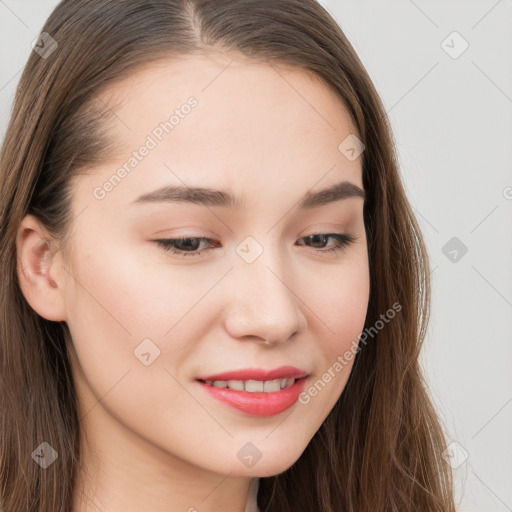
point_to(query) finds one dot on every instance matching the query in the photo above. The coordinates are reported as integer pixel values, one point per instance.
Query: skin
(154, 440)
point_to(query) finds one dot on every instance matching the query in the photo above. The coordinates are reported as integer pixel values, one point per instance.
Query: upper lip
(289, 372)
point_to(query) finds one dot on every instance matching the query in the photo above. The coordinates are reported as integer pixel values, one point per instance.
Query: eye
(189, 246)
(185, 246)
(341, 241)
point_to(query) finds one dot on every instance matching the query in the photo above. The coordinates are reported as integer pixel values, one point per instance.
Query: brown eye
(341, 241)
(185, 246)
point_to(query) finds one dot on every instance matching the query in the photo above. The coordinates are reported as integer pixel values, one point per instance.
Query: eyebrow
(210, 197)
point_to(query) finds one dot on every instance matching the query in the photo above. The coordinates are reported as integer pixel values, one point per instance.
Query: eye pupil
(187, 245)
(317, 239)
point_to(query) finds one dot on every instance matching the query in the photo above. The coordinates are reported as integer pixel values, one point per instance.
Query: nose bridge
(264, 304)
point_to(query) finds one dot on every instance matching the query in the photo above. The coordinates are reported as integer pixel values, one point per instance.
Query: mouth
(252, 386)
(256, 374)
(257, 396)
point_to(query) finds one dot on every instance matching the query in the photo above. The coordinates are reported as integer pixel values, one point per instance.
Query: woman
(215, 290)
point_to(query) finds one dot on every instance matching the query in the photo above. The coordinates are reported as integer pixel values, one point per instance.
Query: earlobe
(37, 268)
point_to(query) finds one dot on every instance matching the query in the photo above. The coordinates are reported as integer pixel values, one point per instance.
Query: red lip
(288, 372)
(257, 404)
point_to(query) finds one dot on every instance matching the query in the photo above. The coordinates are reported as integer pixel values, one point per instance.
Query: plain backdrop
(444, 72)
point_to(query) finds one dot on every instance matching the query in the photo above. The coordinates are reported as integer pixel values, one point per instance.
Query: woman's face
(147, 323)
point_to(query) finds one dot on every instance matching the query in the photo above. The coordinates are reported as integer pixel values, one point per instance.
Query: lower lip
(259, 403)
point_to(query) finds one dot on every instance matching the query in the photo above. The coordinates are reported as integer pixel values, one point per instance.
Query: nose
(263, 304)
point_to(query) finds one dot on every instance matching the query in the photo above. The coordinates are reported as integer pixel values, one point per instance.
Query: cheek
(341, 305)
(346, 306)
(339, 295)
(115, 292)
(112, 308)
(119, 310)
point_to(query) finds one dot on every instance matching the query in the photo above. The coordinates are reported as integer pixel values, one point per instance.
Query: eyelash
(342, 241)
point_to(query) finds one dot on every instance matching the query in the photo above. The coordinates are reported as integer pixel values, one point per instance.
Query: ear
(39, 270)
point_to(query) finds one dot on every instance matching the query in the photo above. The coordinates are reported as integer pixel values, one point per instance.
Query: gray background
(452, 120)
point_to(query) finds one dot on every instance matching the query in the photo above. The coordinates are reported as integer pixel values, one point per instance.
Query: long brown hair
(380, 448)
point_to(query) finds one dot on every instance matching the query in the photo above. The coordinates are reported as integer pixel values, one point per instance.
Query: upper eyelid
(210, 239)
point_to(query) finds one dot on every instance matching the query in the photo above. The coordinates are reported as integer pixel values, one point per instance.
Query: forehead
(252, 125)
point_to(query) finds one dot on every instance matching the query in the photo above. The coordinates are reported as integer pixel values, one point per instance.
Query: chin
(272, 462)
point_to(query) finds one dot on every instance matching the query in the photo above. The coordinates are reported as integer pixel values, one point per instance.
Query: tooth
(272, 385)
(236, 384)
(254, 385)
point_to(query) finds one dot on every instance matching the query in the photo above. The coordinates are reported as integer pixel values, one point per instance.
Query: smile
(255, 398)
(253, 386)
